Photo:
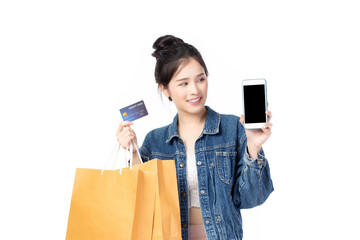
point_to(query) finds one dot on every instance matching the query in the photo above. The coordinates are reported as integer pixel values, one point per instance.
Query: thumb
(242, 119)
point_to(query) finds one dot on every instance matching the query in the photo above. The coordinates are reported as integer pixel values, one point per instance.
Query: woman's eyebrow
(182, 79)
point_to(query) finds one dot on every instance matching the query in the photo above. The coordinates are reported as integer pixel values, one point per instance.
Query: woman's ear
(165, 91)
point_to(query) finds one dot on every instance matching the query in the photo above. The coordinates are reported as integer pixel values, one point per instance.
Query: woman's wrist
(253, 151)
(136, 159)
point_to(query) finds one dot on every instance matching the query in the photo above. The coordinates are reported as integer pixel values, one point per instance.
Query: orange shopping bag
(167, 222)
(111, 206)
(140, 203)
(108, 205)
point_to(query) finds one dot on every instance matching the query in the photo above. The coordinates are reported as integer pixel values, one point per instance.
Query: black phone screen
(254, 103)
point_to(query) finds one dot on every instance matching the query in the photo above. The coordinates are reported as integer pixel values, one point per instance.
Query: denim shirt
(228, 179)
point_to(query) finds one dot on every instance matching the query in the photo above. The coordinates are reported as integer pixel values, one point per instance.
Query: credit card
(134, 111)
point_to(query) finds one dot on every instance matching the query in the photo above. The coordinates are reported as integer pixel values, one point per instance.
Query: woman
(221, 168)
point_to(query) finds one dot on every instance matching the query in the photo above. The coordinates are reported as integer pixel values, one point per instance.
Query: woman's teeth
(194, 100)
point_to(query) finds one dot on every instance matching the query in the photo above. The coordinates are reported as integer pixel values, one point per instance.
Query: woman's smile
(194, 101)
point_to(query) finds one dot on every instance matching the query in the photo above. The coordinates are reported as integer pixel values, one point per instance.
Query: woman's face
(188, 88)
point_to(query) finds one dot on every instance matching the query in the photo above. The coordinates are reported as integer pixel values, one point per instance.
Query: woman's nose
(193, 88)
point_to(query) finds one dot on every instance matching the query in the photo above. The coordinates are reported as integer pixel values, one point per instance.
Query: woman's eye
(201, 79)
(183, 84)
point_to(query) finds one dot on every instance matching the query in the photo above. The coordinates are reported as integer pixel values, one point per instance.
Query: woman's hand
(257, 137)
(125, 135)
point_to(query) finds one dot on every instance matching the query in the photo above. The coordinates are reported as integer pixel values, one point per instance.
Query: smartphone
(255, 103)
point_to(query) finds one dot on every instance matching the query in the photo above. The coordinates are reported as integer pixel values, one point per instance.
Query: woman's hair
(170, 52)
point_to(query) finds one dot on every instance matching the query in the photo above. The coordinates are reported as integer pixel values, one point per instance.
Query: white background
(66, 67)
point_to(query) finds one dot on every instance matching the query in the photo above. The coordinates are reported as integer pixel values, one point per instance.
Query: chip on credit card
(134, 111)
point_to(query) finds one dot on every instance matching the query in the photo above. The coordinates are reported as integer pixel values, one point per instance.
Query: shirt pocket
(224, 162)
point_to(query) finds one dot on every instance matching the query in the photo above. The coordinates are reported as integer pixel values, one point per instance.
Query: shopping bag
(108, 205)
(167, 222)
(140, 203)
(167, 207)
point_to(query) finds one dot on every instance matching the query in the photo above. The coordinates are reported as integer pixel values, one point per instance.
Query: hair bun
(164, 42)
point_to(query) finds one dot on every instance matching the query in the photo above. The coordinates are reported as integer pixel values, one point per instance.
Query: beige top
(192, 181)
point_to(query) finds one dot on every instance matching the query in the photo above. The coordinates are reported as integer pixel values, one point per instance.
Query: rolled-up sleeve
(253, 183)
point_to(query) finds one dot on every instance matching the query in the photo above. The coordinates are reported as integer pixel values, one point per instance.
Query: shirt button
(211, 164)
(183, 194)
(207, 222)
(202, 191)
(184, 225)
(182, 164)
(181, 141)
(259, 162)
(199, 163)
(218, 219)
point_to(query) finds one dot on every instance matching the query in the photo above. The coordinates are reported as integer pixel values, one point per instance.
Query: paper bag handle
(125, 154)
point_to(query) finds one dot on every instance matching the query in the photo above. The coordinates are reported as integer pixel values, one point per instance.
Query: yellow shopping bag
(167, 222)
(112, 206)
(140, 203)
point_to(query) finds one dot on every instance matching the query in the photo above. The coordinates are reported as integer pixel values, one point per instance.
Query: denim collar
(211, 126)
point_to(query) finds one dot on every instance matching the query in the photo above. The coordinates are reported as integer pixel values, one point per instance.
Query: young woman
(221, 167)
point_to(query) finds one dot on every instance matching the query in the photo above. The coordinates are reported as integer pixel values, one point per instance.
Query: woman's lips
(194, 101)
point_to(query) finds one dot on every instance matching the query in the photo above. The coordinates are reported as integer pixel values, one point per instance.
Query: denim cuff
(256, 163)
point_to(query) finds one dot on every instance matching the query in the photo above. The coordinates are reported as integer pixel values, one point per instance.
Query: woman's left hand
(257, 137)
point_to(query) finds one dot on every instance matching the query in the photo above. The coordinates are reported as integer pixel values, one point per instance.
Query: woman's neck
(186, 120)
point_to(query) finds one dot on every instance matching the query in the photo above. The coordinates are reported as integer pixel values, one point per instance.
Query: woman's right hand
(125, 134)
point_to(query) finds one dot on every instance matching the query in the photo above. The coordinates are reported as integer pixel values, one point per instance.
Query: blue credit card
(134, 111)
